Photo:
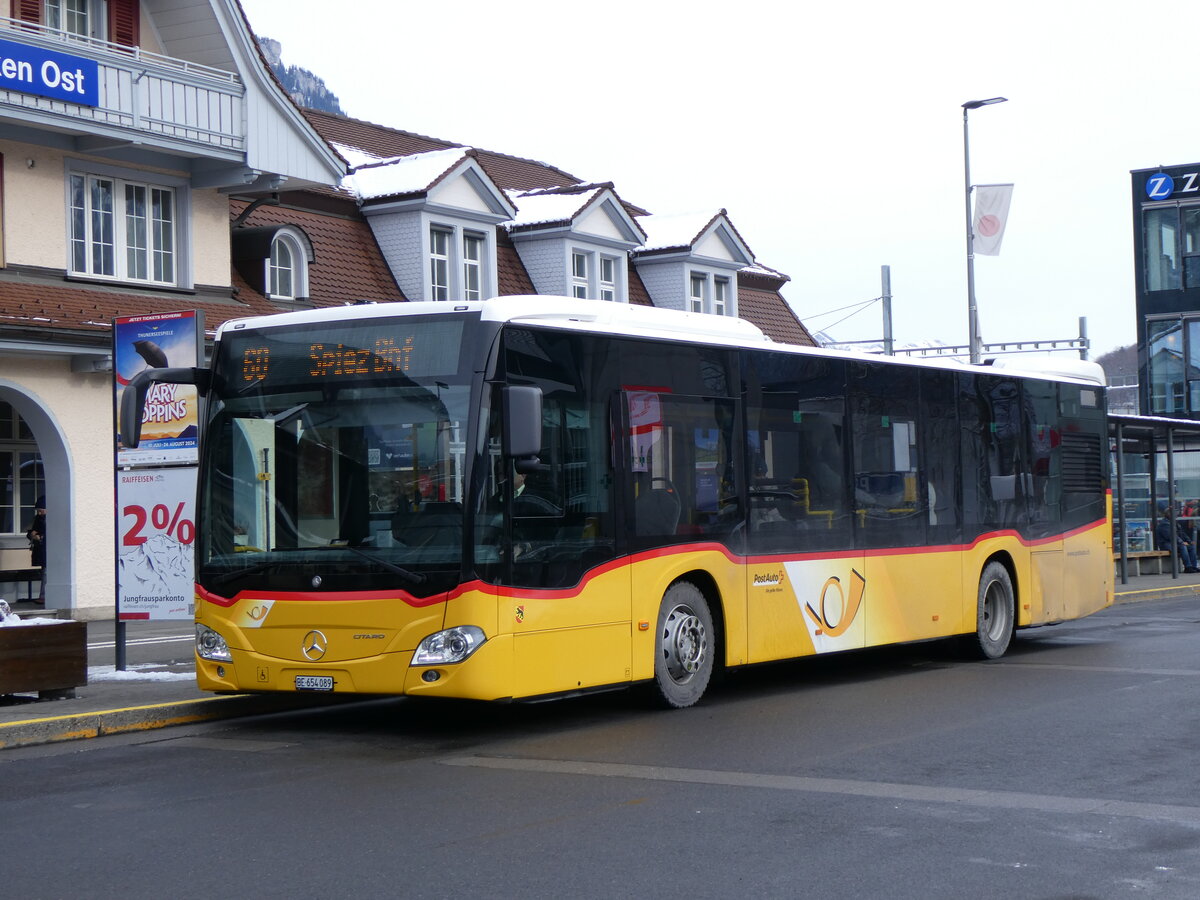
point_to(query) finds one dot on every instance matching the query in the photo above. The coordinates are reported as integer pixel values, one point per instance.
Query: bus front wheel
(683, 660)
(995, 612)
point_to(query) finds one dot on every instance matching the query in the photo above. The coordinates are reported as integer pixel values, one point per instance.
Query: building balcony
(97, 96)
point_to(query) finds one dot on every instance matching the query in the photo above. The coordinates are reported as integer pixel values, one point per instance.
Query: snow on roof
(679, 230)
(354, 155)
(537, 208)
(402, 174)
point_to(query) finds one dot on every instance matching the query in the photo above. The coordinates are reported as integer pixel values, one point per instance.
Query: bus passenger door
(806, 590)
(904, 494)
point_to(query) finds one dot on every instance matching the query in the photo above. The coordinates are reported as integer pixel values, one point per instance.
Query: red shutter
(123, 21)
(27, 10)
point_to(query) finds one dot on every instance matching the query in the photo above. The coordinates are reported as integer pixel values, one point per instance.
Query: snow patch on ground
(143, 672)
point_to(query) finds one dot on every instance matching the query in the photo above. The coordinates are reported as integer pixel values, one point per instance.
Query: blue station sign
(47, 73)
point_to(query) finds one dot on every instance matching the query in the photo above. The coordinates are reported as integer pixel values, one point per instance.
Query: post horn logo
(313, 646)
(837, 610)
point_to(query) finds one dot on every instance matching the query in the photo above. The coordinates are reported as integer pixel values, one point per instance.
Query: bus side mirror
(133, 398)
(522, 423)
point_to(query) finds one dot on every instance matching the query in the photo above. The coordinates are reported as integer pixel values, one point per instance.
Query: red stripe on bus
(611, 565)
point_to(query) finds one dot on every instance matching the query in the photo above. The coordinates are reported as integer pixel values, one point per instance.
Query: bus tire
(995, 612)
(683, 646)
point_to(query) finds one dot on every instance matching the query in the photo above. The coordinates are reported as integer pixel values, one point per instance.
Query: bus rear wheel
(683, 646)
(995, 612)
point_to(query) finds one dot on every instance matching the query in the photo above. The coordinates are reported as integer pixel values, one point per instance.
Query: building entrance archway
(59, 482)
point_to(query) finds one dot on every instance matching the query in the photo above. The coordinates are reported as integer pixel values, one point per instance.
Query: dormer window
(579, 275)
(608, 278)
(439, 264)
(287, 268)
(710, 293)
(699, 292)
(458, 263)
(274, 260)
(596, 275)
(720, 296)
(473, 249)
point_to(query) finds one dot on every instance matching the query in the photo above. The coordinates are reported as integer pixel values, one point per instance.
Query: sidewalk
(145, 697)
(148, 698)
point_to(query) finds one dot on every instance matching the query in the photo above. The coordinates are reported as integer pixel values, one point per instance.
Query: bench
(50, 659)
(1138, 557)
(29, 577)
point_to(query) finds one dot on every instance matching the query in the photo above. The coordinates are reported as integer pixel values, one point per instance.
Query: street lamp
(973, 339)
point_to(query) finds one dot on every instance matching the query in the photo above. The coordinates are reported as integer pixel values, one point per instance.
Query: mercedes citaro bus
(532, 497)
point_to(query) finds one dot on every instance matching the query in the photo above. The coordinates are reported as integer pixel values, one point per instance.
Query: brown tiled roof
(508, 172)
(638, 295)
(32, 307)
(511, 277)
(348, 264)
(769, 311)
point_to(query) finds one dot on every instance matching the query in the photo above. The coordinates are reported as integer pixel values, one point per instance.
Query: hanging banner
(991, 215)
(171, 416)
(155, 534)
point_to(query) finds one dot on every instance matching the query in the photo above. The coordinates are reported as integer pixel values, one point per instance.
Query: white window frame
(698, 299)
(115, 242)
(288, 240)
(441, 239)
(466, 255)
(717, 293)
(56, 14)
(474, 248)
(608, 278)
(721, 293)
(581, 266)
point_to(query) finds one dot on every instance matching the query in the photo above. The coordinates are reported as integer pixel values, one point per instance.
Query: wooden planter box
(49, 659)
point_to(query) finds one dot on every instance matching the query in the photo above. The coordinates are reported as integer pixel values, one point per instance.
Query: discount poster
(155, 535)
(170, 416)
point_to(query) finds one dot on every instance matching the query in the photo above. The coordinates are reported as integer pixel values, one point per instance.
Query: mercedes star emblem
(313, 646)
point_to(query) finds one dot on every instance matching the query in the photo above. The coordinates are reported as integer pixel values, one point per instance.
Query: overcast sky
(831, 132)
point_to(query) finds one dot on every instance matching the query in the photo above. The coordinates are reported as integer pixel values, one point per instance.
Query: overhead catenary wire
(858, 307)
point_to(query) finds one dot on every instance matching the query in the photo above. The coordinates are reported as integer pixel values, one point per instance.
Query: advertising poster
(170, 418)
(156, 532)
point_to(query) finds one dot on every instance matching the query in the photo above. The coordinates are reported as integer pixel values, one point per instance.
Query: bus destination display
(365, 351)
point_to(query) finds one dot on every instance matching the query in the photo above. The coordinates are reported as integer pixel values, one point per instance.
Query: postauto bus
(532, 497)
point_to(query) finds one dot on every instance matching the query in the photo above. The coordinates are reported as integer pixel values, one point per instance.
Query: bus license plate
(314, 682)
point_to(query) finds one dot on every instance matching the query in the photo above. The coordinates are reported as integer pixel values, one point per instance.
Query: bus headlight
(450, 646)
(210, 645)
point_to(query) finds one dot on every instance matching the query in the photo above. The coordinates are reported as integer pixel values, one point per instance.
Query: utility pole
(889, 345)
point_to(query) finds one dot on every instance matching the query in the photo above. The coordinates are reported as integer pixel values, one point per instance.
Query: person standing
(37, 546)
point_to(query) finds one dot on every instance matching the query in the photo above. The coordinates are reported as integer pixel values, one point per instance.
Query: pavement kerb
(1179, 592)
(76, 726)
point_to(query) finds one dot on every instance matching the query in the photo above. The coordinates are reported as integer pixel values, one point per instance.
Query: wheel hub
(684, 644)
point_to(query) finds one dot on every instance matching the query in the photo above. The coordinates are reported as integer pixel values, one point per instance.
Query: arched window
(287, 267)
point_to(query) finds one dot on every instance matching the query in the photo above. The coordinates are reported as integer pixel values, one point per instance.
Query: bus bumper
(485, 675)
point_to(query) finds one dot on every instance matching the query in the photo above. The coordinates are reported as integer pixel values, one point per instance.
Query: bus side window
(889, 496)
(795, 455)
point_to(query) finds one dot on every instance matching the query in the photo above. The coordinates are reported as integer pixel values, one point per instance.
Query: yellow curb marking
(108, 712)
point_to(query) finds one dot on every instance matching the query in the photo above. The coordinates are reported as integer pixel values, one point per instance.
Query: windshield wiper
(413, 577)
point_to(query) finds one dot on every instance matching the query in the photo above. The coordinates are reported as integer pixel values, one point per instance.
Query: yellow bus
(535, 497)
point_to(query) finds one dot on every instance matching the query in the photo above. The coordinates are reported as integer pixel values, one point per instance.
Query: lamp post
(973, 338)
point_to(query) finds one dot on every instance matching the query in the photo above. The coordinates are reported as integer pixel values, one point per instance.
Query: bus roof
(648, 321)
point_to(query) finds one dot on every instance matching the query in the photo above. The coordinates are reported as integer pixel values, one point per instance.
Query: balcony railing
(140, 91)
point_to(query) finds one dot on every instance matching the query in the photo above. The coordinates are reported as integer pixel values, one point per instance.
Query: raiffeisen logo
(769, 580)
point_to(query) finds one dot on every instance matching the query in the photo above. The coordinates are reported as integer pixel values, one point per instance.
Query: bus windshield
(349, 480)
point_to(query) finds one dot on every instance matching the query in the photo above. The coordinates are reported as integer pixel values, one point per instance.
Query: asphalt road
(1066, 770)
